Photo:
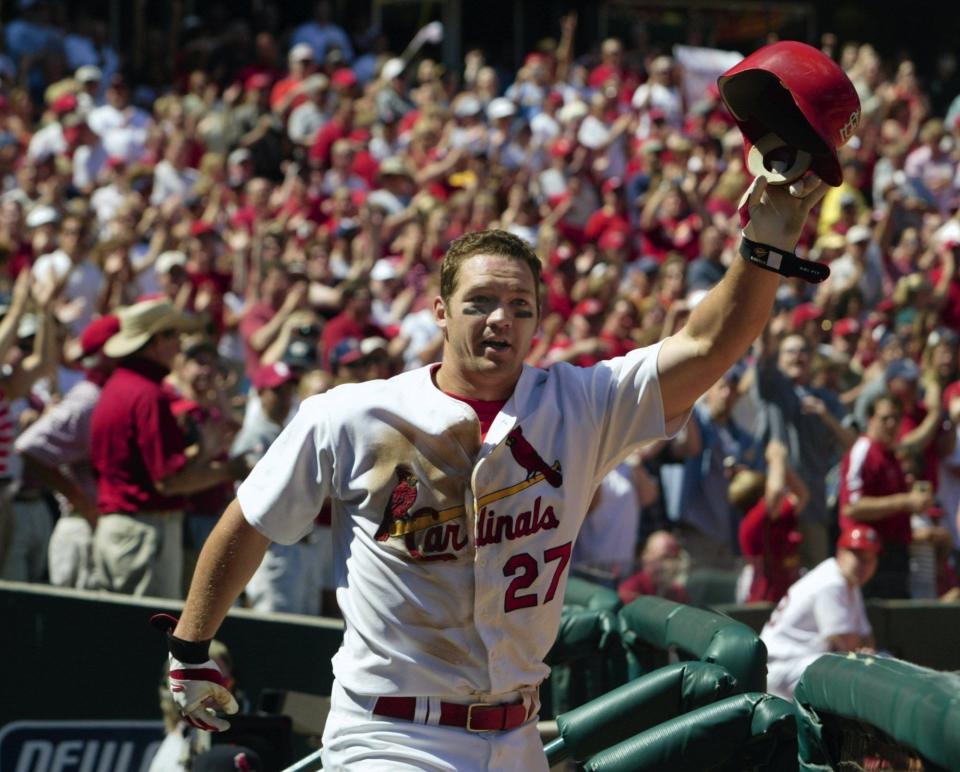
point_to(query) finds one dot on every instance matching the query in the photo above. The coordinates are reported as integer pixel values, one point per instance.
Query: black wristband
(188, 652)
(785, 263)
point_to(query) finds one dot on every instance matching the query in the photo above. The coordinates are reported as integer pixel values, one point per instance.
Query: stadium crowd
(183, 263)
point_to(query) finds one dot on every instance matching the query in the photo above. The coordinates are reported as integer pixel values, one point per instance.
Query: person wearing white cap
(288, 92)
(170, 270)
(660, 92)
(42, 215)
(306, 119)
(41, 221)
(143, 465)
(861, 266)
(391, 100)
(396, 186)
(468, 133)
(69, 263)
(89, 76)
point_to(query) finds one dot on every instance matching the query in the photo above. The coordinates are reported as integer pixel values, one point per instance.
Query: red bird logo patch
(402, 498)
(526, 455)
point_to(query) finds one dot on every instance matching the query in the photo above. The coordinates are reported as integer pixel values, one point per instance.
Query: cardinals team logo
(400, 519)
(401, 501)
(526, 455)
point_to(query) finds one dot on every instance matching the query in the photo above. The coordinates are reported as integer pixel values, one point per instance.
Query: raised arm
(725, 323)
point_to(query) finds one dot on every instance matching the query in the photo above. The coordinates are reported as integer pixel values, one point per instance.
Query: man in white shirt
(822, 612)
(84, 281)
(457, 491)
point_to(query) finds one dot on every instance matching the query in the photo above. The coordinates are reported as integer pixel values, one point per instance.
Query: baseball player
(823, 611)
(457, 491)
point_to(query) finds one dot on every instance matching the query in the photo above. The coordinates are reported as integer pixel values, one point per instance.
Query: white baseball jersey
(818, 605)
(451, 555)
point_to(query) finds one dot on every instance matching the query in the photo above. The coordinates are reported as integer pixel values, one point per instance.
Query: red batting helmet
(802, 98)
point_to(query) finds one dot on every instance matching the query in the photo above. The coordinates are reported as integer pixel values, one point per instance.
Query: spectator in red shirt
(670, 222)
(13, 236)
(661, 559)
(610, 216)
(353, 322)
(287, 93)
(141, 459)
(208, 281)
(201, 398)
(769, 536)
(874, 490)
(582, 344)
(611, 68)
(281, 307)
(946, 283)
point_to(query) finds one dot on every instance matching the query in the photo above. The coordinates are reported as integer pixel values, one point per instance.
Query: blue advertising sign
(79, 746)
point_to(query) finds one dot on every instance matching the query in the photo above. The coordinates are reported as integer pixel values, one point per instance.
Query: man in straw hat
(141, 459)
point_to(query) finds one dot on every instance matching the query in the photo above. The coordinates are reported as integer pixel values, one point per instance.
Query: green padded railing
(653, 626)
(742, 733)
(586, 660)
(915, 706)
(580, 592)
(636, 706)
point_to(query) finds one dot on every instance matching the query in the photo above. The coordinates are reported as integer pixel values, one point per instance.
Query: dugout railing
(863, 711)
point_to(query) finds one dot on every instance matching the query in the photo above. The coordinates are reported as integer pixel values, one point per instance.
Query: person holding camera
(280, 310)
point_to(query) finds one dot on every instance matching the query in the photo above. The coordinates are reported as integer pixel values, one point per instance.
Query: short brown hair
(488, 242)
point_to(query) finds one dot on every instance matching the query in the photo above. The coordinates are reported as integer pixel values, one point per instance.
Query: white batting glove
(199, 691)
(195, 681)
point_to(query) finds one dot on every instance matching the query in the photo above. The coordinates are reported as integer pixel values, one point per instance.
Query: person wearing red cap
(822, 612)
(609, 217)
(805, 320)
(874, 490)
(205, 270)
(290, 577)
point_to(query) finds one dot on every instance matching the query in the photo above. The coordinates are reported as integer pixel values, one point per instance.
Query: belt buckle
(470, 708)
